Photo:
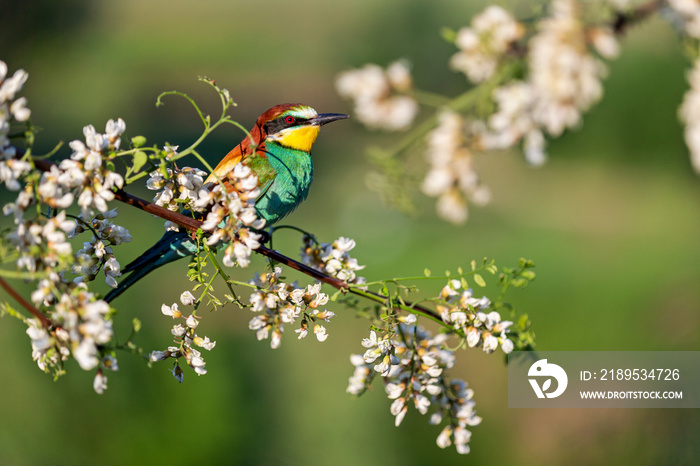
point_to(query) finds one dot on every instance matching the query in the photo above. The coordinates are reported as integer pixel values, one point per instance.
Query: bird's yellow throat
(301, 138)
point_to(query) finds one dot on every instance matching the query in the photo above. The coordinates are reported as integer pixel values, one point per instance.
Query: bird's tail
(172, 246)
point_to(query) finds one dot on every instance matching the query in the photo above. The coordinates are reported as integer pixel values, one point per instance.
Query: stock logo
(547, 371)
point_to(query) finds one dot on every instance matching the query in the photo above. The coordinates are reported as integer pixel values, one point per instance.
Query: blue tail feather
(172, 246)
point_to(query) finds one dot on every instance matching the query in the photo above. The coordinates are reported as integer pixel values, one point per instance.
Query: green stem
(430, 99)
(460, 103)
(409, 307)
(423, 277)
(19, 275)
(207, 287)
(226, 278)
(159, 102)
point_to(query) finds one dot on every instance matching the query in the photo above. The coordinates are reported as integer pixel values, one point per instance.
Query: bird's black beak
(324, 118)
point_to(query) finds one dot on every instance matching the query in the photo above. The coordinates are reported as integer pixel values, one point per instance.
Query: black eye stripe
(277, 125)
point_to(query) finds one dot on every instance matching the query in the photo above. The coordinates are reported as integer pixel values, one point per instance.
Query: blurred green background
(611, 222)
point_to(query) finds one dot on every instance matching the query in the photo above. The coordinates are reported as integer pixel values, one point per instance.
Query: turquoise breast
(294, 172)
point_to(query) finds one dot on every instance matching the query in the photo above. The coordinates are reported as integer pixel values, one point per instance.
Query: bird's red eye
(289, 119)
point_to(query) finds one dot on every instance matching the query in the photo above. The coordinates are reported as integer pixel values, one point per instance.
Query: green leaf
(519, 282)
(529, 274)
(136, 324)
(507, 307)
(140, 159)
(479, 280)
(335, 295)
(523, 322)
(473, 263)
(449, 34)
(525, 263)
(426, 272)
(138, 141)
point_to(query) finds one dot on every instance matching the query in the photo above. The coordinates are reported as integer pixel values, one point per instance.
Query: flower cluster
(86, 169)
(452, 177)
(80, 324)
(278, 303)
(689, 114)
(688, 12)
(380, 96)
(82, 327)
(415, 372)
(12, 110)
(483, 45)
(179, 188)
(97, 254)
(535, 79)
(564, 80)
(83, 176)
(564, 74)
(332, 258)
(42, 246)
(185, 337)
(42, 243)
(467, 314)
(233, 218)
(230, 211)
(380, 347)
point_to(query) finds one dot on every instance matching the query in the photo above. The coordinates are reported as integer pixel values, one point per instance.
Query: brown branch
(182, 220)
(45, 322)
(193, 225)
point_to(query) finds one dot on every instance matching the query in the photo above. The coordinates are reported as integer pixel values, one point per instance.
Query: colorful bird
(278, 151)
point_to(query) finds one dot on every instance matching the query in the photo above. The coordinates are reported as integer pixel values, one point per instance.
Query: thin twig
(45, 322)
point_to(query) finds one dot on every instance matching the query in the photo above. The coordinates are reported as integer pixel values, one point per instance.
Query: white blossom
(181, 189)
(418, 374)
(185, 336)
(97, 254)
(278, 304)
(187, 298)
(332, 258)
(380, 96)
(564, 80)
(688, 12)
(689, 113)
(236, 209)
(452, 177)
(471, 315)
(565, 77)
(483, 45)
